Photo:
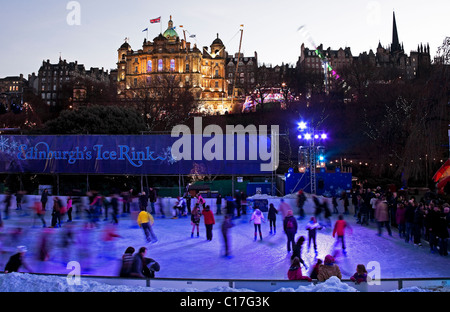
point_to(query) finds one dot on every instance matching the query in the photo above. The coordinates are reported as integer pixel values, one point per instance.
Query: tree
(97, 120)
(162, 100)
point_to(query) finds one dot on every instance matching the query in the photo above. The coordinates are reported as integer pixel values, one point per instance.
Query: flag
(155, 20)
(145, 29)
(192, 36)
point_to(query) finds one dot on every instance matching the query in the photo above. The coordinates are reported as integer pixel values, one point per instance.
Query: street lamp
(311, 154)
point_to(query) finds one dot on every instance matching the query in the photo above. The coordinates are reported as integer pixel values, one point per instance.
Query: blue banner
(134, 154)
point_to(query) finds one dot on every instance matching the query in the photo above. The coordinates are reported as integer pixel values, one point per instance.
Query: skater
(443, 232)
(328, 269)
(7, 201)
(382, 215)
(272, 217)
(143, 201)
(179, 208)
(44, 199)
(290, 228)
(17, 260)
(409, 221)
(219, 204)
(208, 217)
(227, 224)
(201, 201)
(127, 262)
(326, 211)
(295, 271)
(312, 228)
(297, 251)
(335, 205)
(317, 208)
(115, 208)
(339, 230)
(19, 198)
(39, 213)
(346, 203)
(69, 208)
(361, 275)
(301, 199)
(195, 220)
(153, 197)
(257, 218)
(145, 221)
(284, 208)
(56, 213)
(238, 202)
(400, 219)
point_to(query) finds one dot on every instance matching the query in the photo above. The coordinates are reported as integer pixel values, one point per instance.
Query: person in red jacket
(208, 217)
(339, 229)
(295, 271)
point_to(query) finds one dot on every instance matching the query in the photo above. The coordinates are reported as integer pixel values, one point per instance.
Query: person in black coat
(433, 217)
(409, 221)
(290, 228)
(17, 260)
(272, 216)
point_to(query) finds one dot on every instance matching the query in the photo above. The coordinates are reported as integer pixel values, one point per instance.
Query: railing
(382, 285)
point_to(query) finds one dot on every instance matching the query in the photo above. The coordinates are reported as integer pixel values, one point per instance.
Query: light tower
(311, 154)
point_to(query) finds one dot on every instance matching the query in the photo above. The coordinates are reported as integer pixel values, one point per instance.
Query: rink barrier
(382, 285)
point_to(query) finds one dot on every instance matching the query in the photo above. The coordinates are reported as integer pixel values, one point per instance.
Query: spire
(395, 47)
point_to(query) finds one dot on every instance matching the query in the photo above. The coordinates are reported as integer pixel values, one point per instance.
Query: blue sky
(34, 31)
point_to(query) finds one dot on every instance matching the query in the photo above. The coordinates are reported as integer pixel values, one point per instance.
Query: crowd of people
(417, 221)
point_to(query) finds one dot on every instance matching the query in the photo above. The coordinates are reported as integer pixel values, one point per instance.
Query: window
(216, 84)
(172, 65)
(149, 67)
(187, 68)
(217, 73)
(135, 82)
(160, 65)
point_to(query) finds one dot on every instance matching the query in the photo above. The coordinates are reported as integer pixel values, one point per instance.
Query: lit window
(160, 65)
(149, 67)
(172, 65)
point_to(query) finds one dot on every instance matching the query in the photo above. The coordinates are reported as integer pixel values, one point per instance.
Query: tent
(442, 176)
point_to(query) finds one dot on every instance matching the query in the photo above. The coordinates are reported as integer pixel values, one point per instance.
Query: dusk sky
(91, 31)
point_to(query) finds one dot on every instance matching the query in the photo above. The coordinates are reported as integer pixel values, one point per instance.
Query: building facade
(201, 71)
(52, 79)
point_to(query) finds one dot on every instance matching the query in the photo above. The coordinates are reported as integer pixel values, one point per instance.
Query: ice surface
(181, 256)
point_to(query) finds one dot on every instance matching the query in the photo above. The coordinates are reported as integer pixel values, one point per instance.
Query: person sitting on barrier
(295, 271)
(328, 269)
(137, 267)
(315, 270)
(127, 262)
(361, 275)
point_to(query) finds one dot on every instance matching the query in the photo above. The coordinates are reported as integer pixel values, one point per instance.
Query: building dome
(125, 46)
(170, 33)
(217, 41)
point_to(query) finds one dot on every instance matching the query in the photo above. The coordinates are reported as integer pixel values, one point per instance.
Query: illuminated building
(202, 71)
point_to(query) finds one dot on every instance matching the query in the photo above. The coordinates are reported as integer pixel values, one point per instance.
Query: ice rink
(181, 256)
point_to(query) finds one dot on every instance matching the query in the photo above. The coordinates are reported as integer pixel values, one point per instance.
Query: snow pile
(333, 284)
(24, 282)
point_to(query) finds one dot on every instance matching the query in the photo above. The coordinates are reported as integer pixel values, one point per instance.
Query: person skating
(208, 217)
(382, 215)
(297, 251)
(312, 228)
(339, 229)
(301, 199)
(145, 221)
(257, 217)
(290, 227)
(195, 220)
(227, 224)
(272, 217)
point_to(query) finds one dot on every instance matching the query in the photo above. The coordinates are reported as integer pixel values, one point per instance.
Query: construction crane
(237, 64)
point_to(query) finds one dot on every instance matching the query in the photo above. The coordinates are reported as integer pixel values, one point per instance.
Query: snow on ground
(181, 256)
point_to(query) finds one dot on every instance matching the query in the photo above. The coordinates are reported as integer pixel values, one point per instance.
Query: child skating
(257, 218)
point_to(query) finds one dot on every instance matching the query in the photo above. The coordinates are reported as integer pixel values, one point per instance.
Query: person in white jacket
(312, 228)
(257, 218)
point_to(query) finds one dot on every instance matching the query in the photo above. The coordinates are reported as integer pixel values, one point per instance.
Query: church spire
(395, 47)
